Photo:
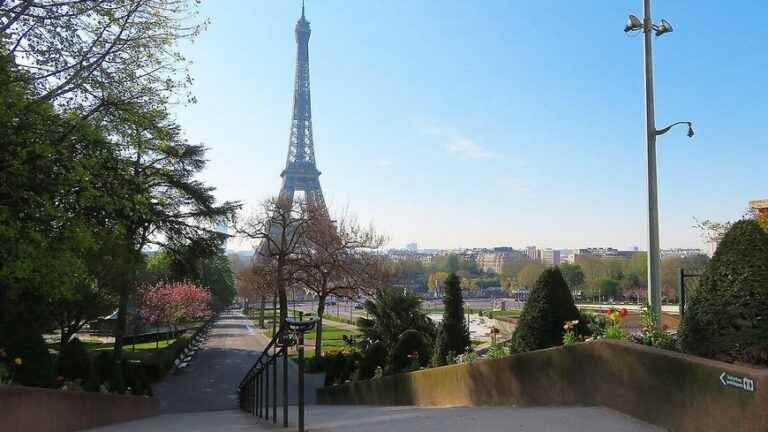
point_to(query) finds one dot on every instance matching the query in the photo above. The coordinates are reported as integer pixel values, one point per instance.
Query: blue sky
(462, 124)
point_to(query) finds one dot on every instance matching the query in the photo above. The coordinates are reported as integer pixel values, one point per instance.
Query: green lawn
(332, 335)
(140, 351)
(512, 313)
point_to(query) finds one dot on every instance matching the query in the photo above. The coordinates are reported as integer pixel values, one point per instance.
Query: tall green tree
(93, 58)
(61, 202)
(452, 263)
(530, 274)
(175, 208)
(453, 331)
(573, 275)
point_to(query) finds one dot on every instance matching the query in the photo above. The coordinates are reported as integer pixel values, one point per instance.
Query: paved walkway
(203, 398)
(401, 419)
(210, 381)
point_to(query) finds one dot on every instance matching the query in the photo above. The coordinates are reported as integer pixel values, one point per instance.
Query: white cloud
(467, 147)
(457, 143)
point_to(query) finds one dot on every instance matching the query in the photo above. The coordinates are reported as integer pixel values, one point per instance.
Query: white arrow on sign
(743, 383)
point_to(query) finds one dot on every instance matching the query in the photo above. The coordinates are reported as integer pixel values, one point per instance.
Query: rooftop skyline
(466, 126)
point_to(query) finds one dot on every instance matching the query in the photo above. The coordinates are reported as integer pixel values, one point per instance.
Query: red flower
(665, 327)
(623, 312)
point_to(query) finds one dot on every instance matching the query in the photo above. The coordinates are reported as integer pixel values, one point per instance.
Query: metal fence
(258, 389)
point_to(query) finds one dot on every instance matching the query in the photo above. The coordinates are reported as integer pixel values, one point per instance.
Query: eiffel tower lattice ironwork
(301, 173)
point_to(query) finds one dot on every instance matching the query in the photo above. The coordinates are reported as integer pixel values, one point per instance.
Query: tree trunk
(319, 329)
(122, 310)
(274, 314)
(3, 301)
(64, 339)
(261, 311)
(282, 296)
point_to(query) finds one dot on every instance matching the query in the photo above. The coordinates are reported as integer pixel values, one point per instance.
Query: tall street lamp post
(654, 259)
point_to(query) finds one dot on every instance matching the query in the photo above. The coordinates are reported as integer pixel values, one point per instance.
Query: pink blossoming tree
(173, 303)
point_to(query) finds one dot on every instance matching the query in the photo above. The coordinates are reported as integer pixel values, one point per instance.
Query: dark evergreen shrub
(116, 380)
(373, 357)
(410, 344)
(21, 339)
(102, 365)
(136, 379)
(74, 362)
(548, 307)
(727, 316)
(453, 335)
(339, 367)
(109, 372)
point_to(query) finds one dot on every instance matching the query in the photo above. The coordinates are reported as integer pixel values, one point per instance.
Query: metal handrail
(259, 362)
(254, 388)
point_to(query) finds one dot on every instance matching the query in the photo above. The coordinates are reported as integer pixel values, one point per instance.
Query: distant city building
(680, 253)
(413, 247)
(533, 253)
(585, 253)
(760, 206)
(566, 255)
(469, 255)
(493, 262)
(550, 257)
(398, 255)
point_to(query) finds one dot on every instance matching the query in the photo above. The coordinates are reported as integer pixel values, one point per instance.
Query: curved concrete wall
(27, 409)
(672, 390)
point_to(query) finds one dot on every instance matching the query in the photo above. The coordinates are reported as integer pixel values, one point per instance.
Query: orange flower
(624, 312)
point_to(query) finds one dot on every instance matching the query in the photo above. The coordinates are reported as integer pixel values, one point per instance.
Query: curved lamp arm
(666, 129)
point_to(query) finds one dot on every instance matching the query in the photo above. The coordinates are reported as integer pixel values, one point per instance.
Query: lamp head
(664, 27)
(633, 23)
(690, 129)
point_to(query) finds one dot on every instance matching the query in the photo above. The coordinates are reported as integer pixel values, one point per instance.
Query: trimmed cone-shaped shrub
(74, 362)
(412, 347)
(21, 339)
(548, 307)
(727, 316)
(453, 336)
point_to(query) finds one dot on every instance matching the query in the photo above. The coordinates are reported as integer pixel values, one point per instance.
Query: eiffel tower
(301, 173)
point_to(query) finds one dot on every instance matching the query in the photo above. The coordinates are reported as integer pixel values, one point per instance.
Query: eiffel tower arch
(301, 173)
